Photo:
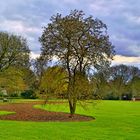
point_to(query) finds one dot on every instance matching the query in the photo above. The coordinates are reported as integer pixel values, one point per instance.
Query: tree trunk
(120, 97)
(72, 106)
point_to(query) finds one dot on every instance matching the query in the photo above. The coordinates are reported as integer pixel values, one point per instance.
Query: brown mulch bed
(26, 112)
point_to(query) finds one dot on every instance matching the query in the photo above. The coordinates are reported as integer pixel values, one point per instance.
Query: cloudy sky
(27, 17)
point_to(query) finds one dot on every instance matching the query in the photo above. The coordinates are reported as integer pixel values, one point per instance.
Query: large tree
(79, 44)
(13, 51)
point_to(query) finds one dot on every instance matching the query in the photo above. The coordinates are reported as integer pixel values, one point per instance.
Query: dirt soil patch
(26, 112)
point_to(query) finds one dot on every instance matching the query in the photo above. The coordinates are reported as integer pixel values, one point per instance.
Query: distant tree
(17, 79)
(39, 65)
(135, 86)
(13, 51)
(79, 44)
(101, 85)
(53, 82)
(12, 80)
(120, 78)
(29, 77)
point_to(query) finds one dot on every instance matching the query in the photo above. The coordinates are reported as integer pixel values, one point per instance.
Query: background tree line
(119, 82)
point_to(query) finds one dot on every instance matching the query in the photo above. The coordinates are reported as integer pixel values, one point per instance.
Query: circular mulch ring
(26, 112)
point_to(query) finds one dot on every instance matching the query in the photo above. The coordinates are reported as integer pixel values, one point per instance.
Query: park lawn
(6, 113)
(115, 120)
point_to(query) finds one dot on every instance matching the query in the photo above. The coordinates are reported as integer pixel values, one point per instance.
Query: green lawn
(115, 120)
(6, 112)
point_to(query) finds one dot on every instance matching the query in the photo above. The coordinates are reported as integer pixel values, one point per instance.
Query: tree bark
(72, 105)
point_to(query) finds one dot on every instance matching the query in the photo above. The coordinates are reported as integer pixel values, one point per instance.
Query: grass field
(115, 120)
(6, 112)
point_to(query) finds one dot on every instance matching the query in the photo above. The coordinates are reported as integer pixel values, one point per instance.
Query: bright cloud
(34, 55)
(134, 19)
(118, 59)
(18, 26)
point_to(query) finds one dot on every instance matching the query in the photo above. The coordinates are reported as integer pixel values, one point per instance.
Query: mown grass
(115, 120)
(6, 112)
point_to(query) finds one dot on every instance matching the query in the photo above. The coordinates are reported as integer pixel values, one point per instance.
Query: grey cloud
(122, 18)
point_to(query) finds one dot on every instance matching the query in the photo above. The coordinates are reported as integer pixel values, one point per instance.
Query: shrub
(28, 94)
(111, 96)
(14, 95)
